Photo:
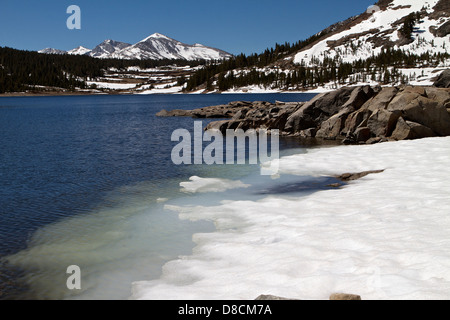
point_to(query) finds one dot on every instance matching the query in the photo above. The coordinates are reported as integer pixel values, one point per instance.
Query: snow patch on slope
(382, 25)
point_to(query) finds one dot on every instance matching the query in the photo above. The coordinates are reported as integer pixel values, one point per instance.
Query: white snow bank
(114, 86)
(384, 236)
(162, 89)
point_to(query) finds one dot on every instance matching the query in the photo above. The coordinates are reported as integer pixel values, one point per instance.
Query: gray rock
(304, 117)
(218, 125)
(240, 114)
(351, 115)
(406, 130)
(234, 124)
(425, 111)
(441, 95)
(382, 122)
(331, 103)
(359, 97)
(401, 100)
(419, 90)
(162, 113)
(345, 177)
(356, 119)
(309, 133)
(174, 113)
(374, 140)
(443, 81)
(237, 104)
(381, 100)
(324, 106)
(331, 128)
(344, 296)
(362, 134)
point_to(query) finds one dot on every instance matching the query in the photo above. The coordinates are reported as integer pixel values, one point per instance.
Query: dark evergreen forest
(28, 70)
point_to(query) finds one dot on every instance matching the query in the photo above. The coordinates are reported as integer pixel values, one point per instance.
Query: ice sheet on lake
(197, 184)
(384, 236)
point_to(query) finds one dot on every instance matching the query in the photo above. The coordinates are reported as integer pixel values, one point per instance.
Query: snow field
(384, 236)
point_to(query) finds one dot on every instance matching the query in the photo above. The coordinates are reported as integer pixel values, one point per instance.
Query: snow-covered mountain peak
(157, 35)
(156, 46)
(79, 51)
(52, 51)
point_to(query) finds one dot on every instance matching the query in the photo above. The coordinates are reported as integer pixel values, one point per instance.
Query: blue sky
(232, 25)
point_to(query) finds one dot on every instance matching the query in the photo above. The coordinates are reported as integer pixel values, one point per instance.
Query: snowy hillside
(381, 27)
(393, 42)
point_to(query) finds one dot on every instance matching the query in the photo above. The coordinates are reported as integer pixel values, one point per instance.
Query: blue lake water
(84, 180)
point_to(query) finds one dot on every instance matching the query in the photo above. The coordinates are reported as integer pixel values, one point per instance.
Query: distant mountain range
(392, 43)
(157, 47)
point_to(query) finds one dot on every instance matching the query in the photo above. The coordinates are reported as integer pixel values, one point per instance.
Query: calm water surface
(83, 180)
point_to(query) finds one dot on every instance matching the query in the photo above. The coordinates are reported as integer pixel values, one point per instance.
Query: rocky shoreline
(350, 115)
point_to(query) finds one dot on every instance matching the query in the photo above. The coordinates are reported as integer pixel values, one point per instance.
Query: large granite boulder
(428, 112)
(331, 129)
(382, 122)
(443, 81)
(322, 108)
(380, 100)
(405, 130)
(305, 116)
(356, 120)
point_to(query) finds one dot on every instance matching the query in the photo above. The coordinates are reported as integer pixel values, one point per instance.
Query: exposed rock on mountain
(108, 47)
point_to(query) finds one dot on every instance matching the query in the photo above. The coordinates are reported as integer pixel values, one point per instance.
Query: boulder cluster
(352, 115)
